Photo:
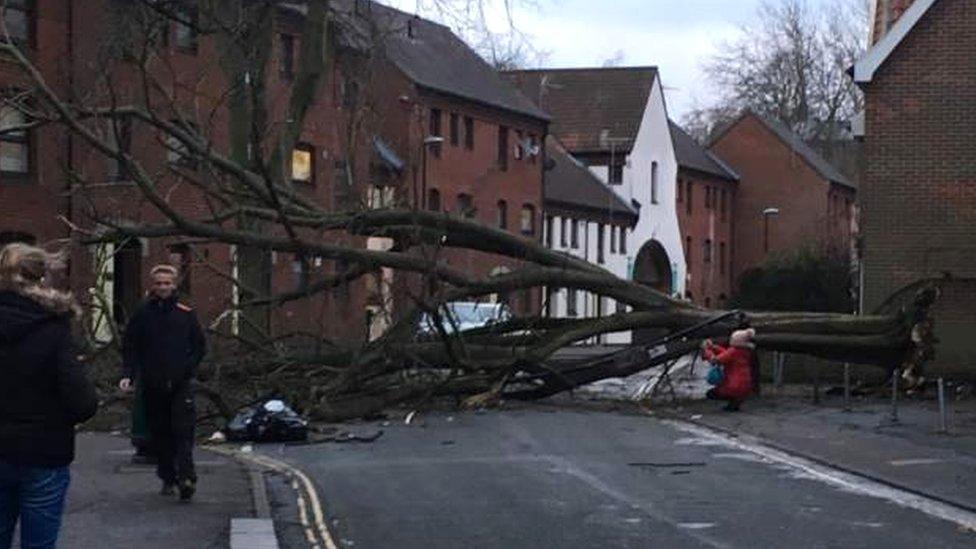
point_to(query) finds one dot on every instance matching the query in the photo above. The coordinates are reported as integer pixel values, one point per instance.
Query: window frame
(502, 160)
(654, 182)
(527, 214)
(310, 149)
(502, 215)
(192, 14)
(286, 66)
(24, 139)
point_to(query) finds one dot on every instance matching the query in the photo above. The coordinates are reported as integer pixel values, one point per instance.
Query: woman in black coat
(44, 393)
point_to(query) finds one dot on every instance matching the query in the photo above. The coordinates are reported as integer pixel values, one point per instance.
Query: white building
(614, 120)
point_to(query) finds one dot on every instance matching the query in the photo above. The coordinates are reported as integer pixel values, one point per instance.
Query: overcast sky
(674, 35)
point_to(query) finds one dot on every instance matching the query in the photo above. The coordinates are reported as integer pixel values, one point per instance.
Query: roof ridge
(579, 69)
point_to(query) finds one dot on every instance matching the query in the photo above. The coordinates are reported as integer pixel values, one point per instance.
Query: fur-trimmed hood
(21, 313)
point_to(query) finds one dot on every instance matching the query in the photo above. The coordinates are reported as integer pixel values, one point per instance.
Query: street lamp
(429, 141)
(767, 213)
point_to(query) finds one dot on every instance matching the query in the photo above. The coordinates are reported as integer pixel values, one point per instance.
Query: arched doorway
(652, 268)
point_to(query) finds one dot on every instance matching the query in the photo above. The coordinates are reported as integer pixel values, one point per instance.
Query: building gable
(868, 65)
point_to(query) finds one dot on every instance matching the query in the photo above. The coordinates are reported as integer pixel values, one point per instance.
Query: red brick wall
(709, 283)
(31, 204)
(199, 89)
(919, 196)
(887, 14)
(774, 176)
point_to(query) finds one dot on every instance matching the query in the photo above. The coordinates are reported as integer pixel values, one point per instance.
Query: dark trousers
(171, 416)
(35, 496)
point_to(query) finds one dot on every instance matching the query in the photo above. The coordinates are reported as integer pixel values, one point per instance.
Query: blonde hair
(24, 269)
(164, 268)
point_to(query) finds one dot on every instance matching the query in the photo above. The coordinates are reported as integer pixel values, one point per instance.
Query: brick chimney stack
(886, 14)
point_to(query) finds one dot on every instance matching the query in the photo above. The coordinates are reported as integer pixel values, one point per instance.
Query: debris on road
(270, 421)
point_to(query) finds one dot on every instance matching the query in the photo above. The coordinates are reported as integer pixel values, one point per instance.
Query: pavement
(911, 453)
(557, 476)
(112, 503)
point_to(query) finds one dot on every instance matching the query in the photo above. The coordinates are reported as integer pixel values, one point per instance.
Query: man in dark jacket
(162, 347)
(44, 393)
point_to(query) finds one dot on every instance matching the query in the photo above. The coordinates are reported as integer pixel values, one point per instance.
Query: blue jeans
(36, 496)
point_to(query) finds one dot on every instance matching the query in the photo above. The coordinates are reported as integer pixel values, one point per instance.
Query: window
(186, 30)
(19, 18)
(519, 151)
(435, 130)
(502, 148)
(688, 199)
(299, 271)
(303, 163)
(723, 205)
(119, 136)
(707, 251)
(527, 222)
(562, 232)
(14, 146)
(571, 302)
(708, 197)
(688, 252)
(177, 151)
(680, 190)
(502, 214)
(708, 302)
(654, 182)
(601, 232)
(379, 197)
(549, 226)
(613, 239)
(616, 173)
(434, 200)
(721, 257)
(9, 237)
(348, 91)
(287, 61)
(180, 257)
(574, 234)
(533, 148)
(455, 129)
(469, 133)
(465, 206)
(623, 240)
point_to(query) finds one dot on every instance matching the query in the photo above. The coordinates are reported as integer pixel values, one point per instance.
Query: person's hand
(125, 384)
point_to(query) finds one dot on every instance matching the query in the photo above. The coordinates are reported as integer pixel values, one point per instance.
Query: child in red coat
(736, 361)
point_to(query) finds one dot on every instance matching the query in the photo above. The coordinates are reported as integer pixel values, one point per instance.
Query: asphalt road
(541, 477)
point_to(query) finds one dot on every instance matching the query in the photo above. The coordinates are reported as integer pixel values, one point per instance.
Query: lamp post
(425, 145)
(767, 213)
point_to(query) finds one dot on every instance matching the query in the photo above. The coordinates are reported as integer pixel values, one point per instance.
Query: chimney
(886, 14)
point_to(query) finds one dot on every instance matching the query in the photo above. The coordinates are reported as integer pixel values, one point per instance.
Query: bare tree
(238, 192)
(791, 66)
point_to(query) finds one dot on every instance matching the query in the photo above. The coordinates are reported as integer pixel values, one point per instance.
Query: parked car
(465, 315)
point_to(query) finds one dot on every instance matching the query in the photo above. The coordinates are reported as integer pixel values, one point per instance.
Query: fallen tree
(249, 203)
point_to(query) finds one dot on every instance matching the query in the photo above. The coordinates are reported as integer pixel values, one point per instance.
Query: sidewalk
(910, 454)
(112, 503)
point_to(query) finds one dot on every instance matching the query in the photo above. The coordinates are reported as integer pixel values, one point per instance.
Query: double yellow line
(309, 504)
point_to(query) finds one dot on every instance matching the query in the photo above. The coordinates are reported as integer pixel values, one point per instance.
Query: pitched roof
(865, 68)
(693, 156)
(814, 159)
(433, 57)
(571, 185)
(587, 104)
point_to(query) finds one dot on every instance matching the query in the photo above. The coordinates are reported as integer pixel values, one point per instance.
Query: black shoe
(187, 489)
(169, 489)
(731, 407)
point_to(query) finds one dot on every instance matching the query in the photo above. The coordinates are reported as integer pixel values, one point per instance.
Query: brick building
(919, 191)
(788, 195)
(705, 200)
(419, 81)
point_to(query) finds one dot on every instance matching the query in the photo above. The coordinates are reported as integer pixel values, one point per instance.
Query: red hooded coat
(736, 363)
